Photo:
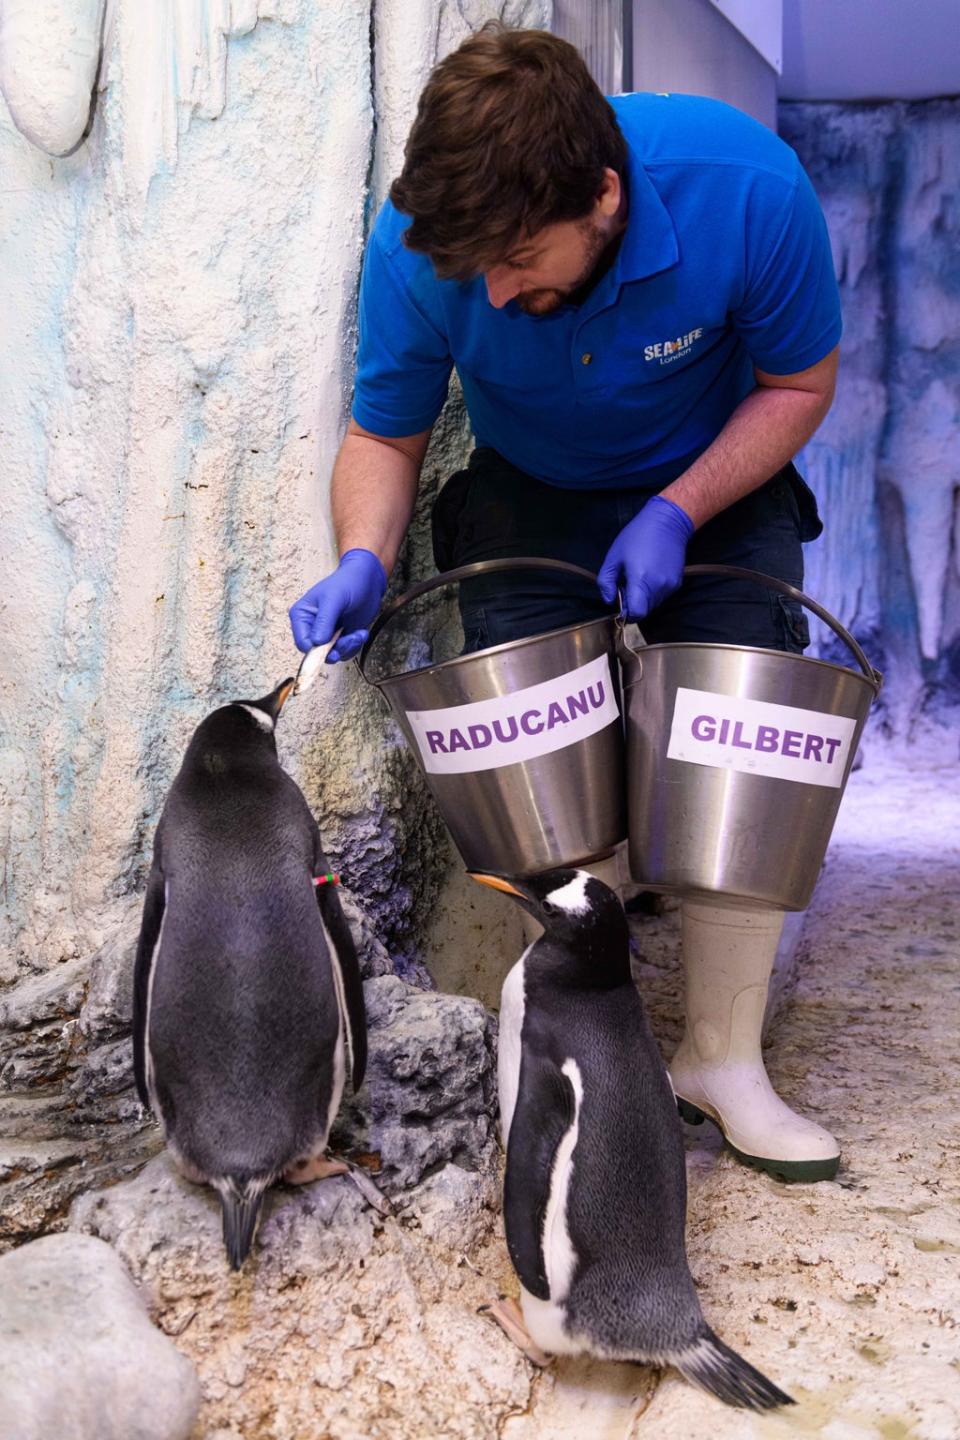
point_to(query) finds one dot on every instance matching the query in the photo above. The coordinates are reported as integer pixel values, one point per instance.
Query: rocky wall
(885, 464)
(185, 191)
(178, 298)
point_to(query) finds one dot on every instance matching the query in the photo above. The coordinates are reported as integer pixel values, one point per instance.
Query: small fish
(311, 664)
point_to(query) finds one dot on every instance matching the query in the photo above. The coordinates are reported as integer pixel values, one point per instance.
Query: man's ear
(611, 194)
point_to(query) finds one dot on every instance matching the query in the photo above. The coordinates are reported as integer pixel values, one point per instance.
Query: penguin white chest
(509, 1044)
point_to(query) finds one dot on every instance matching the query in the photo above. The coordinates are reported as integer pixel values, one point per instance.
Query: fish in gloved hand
(595, 1187)
(248, 1005)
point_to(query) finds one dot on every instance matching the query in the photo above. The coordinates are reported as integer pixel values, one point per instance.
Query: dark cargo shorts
(492, 510)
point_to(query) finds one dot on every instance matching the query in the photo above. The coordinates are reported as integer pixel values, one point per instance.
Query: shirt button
(585, 358)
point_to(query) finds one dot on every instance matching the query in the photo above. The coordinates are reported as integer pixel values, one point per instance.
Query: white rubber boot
(718, 1070)
(607, 870)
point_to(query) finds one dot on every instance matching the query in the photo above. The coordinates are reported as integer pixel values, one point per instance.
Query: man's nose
(502, 284)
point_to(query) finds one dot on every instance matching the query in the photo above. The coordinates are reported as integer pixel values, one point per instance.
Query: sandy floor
(846, 1293)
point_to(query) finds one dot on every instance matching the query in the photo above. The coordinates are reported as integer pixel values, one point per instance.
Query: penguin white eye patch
(572, 897)
(261, 716)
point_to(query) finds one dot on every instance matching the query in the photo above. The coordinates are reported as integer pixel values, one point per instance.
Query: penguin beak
(496, 882)
(273, 703)
(284, 693)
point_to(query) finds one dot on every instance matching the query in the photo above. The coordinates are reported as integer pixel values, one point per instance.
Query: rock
(107, 1012)
(79, 1358)
(454, 1207)
(428, 1099)
(35, 1016)
(38, 1178)
(69, 1113)
(159, 1216)
(70, 1118)
(341, 1324)
(429, 1093)
(373, 956)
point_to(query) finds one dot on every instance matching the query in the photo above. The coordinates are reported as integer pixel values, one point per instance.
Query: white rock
(49, 53)
(79, 1359)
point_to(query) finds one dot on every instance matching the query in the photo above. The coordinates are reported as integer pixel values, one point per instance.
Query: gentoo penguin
(595, 1189)
(248, 1006)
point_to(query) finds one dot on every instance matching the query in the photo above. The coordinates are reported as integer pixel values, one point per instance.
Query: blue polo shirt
(725, 264)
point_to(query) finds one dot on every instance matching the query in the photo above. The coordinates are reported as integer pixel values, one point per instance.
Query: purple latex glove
(645, 562)
(346, 601)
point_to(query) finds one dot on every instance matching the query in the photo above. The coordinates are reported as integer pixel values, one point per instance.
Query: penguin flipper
(154, 905)
(346, 960)
(545, 1110)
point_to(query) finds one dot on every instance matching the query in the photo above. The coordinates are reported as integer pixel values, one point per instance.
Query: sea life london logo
(666, 351)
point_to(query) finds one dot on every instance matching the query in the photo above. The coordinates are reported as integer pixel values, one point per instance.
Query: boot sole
(787, 1170)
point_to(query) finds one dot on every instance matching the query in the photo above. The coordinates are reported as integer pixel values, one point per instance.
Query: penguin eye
(548, 908)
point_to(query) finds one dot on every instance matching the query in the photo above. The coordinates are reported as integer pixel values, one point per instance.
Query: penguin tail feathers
(714, 1367)
(241, 1202)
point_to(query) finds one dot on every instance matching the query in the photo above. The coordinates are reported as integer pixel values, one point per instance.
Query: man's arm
(645, 562)
(763, 433)
(372, 497)
(373, 491)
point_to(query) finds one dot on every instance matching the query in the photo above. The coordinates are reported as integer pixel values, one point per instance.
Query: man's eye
(515, 264)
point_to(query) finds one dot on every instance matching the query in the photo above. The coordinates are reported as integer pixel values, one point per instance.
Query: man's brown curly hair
(512, 134)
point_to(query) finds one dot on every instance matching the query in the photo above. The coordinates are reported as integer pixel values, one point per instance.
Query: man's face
(542, 271)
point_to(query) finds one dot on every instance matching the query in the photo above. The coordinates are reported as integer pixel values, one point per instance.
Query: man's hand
(645, 561)
(347, 601)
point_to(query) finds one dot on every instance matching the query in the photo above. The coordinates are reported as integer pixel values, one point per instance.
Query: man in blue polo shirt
(639, 300)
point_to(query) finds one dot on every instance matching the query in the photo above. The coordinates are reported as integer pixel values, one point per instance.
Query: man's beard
(544, 302)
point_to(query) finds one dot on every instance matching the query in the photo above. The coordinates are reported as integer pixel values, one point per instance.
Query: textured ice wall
(886, 464)
(178, 302)
(177, 310)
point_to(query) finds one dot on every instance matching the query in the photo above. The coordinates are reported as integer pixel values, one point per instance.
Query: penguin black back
(248, 1004)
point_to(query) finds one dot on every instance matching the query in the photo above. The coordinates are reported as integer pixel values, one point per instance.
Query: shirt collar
(649, 243)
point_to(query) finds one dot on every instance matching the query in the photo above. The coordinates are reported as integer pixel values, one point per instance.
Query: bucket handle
(453, 577)
(785, 588)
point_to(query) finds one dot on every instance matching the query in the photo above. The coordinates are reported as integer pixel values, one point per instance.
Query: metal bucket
(521, 745)
(737, 758)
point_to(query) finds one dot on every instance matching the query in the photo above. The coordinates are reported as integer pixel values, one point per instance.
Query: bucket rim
(626, 651)
(502, 648)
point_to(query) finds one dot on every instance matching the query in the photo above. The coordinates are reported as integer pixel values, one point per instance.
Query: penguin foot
(313, 1167)
(509, 1317)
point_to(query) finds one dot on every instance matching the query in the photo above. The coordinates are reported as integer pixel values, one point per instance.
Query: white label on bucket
(536, 721)
(732, 732)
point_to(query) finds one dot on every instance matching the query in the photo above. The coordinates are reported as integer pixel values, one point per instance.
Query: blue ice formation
(886, 464)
